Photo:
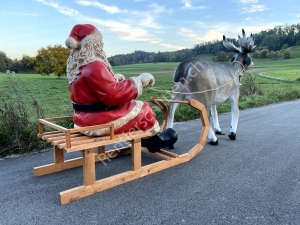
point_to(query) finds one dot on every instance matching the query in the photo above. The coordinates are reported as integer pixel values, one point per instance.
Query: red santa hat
(78, 33)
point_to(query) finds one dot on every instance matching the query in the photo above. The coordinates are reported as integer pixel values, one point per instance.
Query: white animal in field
(213, 83)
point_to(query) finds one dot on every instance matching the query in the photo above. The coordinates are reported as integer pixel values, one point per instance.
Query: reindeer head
(242, 52)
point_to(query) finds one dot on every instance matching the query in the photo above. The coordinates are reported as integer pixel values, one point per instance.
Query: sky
(128, 25)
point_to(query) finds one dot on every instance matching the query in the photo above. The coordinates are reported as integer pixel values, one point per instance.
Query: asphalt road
(253, 180)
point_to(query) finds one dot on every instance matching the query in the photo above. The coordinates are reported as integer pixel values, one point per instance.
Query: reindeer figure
(213, 83)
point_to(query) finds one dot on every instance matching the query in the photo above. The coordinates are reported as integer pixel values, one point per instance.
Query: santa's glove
(147, 80)
(119, 77)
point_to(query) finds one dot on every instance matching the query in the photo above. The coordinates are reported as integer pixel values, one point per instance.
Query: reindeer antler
(230, 46)
(246, 43)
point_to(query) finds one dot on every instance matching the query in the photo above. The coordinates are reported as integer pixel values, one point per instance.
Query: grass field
(53, 95)
(18, 92)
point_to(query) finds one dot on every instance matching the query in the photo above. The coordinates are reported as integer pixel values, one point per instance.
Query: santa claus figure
(100, 97)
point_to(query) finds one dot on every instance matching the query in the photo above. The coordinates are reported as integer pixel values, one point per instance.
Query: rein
(240, 74)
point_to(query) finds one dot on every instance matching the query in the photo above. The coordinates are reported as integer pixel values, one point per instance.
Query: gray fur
(213, 83)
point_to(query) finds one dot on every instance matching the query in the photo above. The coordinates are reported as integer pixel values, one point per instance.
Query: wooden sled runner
(71, 140)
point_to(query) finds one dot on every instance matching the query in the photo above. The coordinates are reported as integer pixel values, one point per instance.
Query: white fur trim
(119, 77)
(72, 43)
(117, 123)
(155, 129)
(138, 84)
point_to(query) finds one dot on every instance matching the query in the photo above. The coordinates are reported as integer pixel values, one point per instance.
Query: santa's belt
(95, 107)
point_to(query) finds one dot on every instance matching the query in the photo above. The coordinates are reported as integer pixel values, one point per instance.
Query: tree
(284, 46)
(221, 57)
(28, 62)
(271, 41)
(52, 60)
(5, 63)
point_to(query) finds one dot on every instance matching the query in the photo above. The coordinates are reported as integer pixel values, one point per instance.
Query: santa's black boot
(165, 139)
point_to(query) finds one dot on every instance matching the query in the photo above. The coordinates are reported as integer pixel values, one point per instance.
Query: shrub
(287, 54)
(249, 87)
(18, 132)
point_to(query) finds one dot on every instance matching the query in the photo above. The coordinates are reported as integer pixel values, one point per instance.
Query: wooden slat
(53, 125)
(73, 139)
(83, 141)
(59, 134)
(62, 137)
(118, 138)
(40, 135)
(81, 129)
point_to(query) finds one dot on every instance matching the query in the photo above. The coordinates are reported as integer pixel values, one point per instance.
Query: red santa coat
(96, 84)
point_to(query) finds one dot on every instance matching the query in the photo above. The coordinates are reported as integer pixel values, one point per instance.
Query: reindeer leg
(234, 116)
(211, 134)
(171, 112)
(215, 120)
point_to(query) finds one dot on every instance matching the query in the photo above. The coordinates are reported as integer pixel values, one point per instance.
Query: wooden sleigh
(72, 140)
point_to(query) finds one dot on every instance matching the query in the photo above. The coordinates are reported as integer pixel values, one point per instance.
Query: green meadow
(23, 95)
(53, 96)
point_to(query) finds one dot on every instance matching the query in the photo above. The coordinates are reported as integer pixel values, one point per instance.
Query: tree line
(52, 60)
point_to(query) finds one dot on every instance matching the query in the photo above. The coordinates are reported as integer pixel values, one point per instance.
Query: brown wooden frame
(71, 140)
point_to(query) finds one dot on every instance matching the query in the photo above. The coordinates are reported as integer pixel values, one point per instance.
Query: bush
(249, 87)
(18, 132)
(287, 54)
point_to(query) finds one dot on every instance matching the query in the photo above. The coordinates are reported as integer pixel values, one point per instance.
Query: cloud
(146, 18)
(108, 9)
(193, 37)
(63, 10)
(124, 31)
(248, 1)
(176, 47)
(254, 8)
(189, 34)
(188, 5)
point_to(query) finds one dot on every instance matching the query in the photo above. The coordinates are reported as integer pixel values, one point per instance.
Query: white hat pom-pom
(72, 43)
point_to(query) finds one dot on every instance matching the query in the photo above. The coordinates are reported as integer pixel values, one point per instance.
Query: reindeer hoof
(214, 142)
(232, 135)
(219, 132)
